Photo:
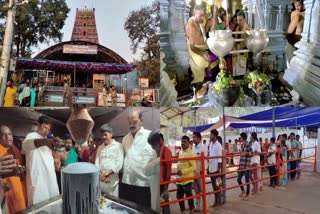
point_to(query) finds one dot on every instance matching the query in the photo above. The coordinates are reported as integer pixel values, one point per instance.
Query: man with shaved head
(135, 183)
(16, 190)
(109, 160)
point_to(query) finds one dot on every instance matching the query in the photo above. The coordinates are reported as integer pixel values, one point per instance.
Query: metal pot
(80, 125)
(256, 40)
(220, 42)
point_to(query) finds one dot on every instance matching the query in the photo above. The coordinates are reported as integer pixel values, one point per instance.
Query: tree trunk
(18, 45)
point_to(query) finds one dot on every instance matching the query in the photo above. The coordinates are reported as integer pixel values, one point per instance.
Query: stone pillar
(173, 17)
(178, 17)
(267, 11)
(164, 15)
(304, 71)
(165, 36)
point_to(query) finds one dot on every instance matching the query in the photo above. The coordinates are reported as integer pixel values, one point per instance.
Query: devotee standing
(299, 155)
(185, 169)
(40, 93)
(245, 163)
(215, 164)
(33, 95)
(288, 155)
(135, 185)
(113, 96)
(16, 195)
(197, 149)
(65, 93)
(89, 154)
(24, 97)
(271, 161)
(284, 166)
(239, 60)
(153, 170)
(165, 172)
(294, 155)
(197, 47)
(105, 94)
(72, 156)
(41, 179)
(255, 162)
(109, 160)
(295, 29)
(10, 94)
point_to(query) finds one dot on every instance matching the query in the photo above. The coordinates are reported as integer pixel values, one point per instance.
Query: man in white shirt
(197, 149)
(271, 161)
(215, 164)
(41, 178)
(135, 185)
(153, 170)
(255, 161)
(109, 159)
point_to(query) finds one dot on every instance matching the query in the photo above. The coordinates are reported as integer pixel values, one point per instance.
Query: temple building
(84, 28)
(83, 62)
(300, 80)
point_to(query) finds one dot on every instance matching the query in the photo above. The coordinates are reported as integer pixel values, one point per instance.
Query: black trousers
(165, 209)
(185, 189)
(247, 177)
(293, 167)
(217, 196)
(273, 171)
(136, 194)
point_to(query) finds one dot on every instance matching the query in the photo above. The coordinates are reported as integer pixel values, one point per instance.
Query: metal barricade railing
(203, 174)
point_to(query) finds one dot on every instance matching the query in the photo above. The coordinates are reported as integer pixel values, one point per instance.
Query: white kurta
(137, 155)
(110, 157)
(41, 177)
(153, 170)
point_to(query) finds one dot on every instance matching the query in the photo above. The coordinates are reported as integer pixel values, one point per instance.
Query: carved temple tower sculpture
(84, 28)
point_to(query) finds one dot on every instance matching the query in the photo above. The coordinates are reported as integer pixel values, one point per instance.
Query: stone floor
(299, 196)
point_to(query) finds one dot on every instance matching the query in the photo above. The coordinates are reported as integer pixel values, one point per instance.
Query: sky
(110, 19)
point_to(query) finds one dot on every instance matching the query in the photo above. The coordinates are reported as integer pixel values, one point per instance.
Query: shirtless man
(297, 18)
(240, 60)
(295, 28)
(196, 41)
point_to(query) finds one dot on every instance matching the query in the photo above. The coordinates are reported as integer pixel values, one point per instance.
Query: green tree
(143, 27)
(37, 22)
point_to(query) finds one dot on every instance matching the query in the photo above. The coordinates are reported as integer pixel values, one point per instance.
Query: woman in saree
(283, 166)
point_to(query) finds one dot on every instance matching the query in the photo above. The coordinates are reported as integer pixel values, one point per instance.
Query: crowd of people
(128, 170)
(249, 154)
(28, 94)
(204, 65)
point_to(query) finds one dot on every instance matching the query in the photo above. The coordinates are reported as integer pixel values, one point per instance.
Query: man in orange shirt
(16, 195)
(165, 171)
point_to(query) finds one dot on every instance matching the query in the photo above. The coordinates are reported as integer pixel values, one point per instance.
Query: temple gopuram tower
(84, 28)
